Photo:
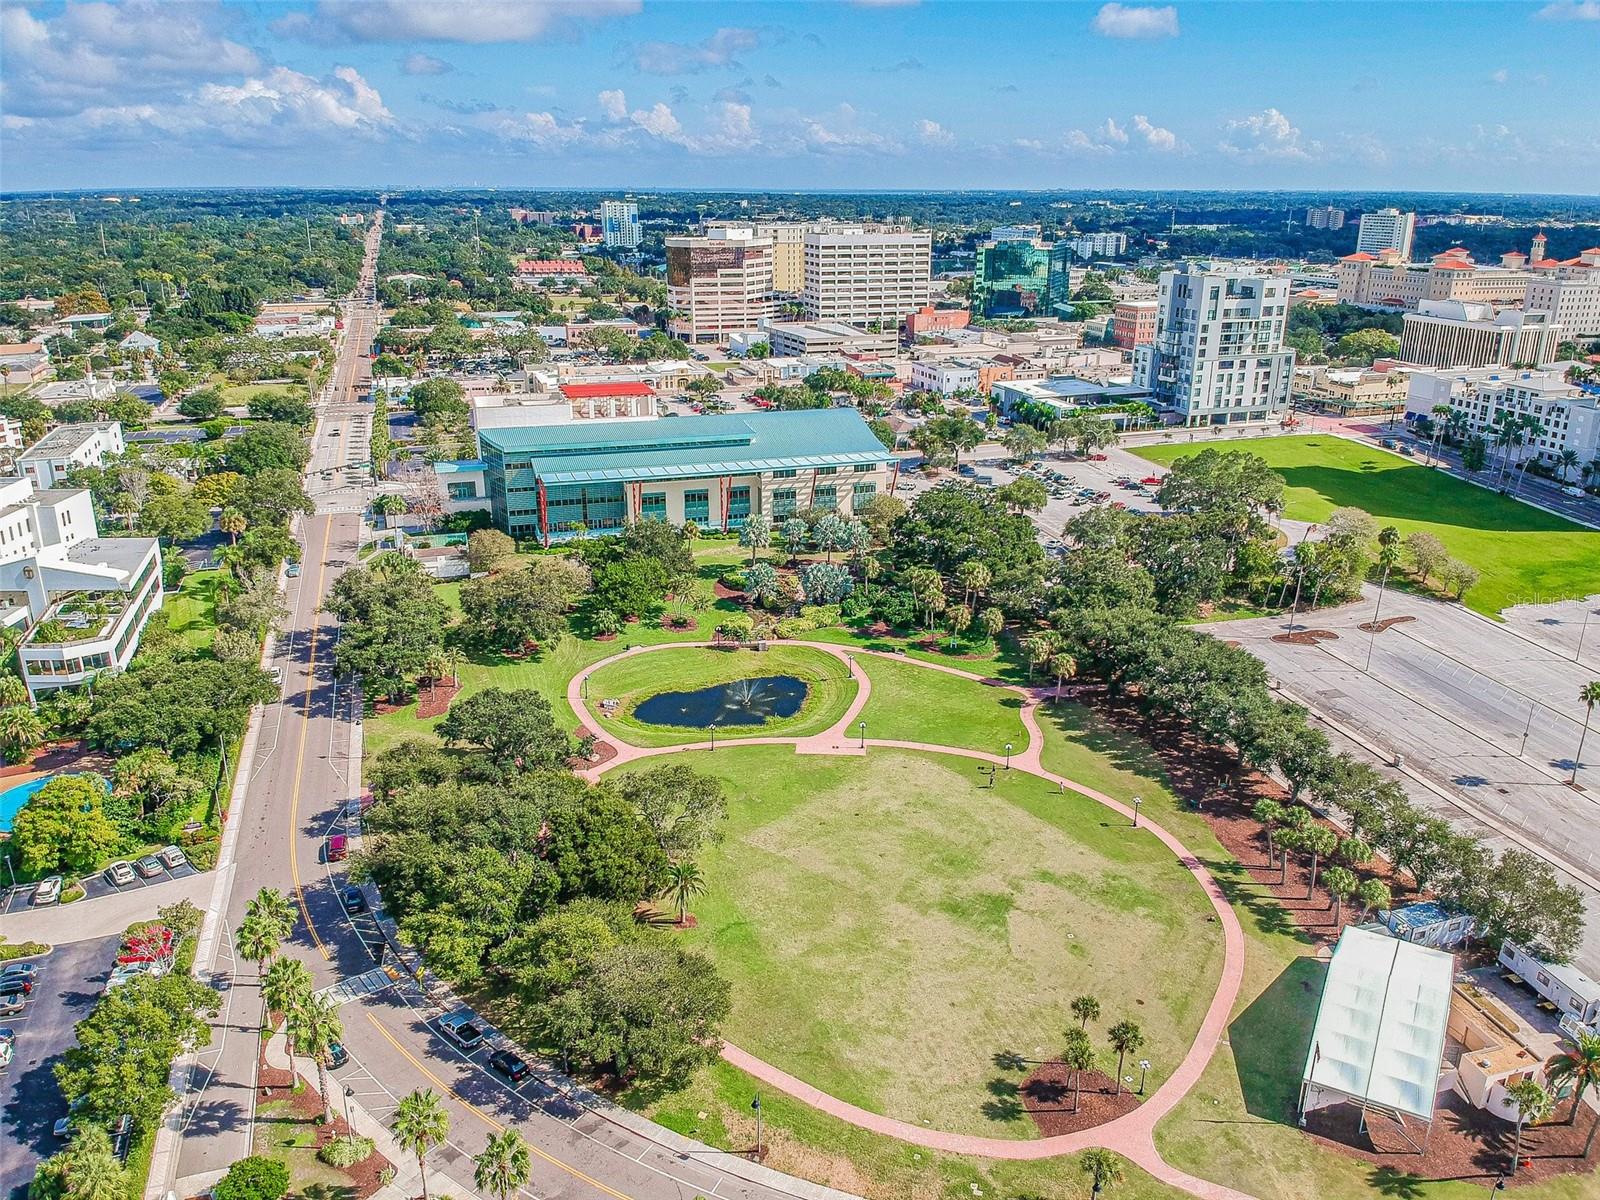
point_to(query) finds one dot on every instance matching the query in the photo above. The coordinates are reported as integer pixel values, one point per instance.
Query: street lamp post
(1584, 632)
(1008, 756)
(756, 1104)
(1144, 1069)
(1533, 707)
(713, 730)
(349, 1129)
(862, 730)
(1136, 802)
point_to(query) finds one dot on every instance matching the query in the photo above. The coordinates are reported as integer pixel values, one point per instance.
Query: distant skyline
(880, 94)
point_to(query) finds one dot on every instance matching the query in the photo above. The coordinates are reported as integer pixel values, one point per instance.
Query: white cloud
(424, 64)
(1499, 76)
(1136, 21)
(474, 22)
(1154, 136)
(934, 134)
(842, 133)
(679, 58)
(1079, 142)
(658, 120)
(541, 129)
(613, 103)
(282, 105)
(1266, 135)
(1570, 10)
(1112, 132)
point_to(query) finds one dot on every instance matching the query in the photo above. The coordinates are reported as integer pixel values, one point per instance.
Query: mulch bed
(1467, 1144)
(940, 646)
(677, 624)
(433, 700)
(364, 1176)
(603, 637)
(1387, 622)
(276, 1083)
(723, 592)
(604, 752)
(1306, 637)
(1046, 1095)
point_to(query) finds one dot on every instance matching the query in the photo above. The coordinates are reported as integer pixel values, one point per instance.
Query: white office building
(1569, 416)
(46, 463)
(1218, 356)
(1387, 229)
(1573, 302)
(947, 378)
(82, 599)
(1449, 333)
(619, 224)
(866, 276)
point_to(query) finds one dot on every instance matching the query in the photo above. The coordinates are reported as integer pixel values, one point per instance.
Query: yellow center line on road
(486, 1118)
(300, 756)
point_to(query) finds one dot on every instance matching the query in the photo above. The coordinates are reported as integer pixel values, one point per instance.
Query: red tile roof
(1359, 256)
(1454, 264)
(589, 391)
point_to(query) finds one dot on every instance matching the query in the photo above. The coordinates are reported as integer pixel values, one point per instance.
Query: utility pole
(103, 251)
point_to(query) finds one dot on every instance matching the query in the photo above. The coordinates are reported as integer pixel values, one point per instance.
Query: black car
(354, 898)
(509, 1065)
(337, 1055)
(16, 986)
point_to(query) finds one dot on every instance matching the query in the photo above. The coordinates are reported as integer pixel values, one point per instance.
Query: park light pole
(712, 728)
(1136, 802)
(862, 730)
(756, 1104)
(1584, 632)
(1144, 1069)
(1008, 756)
(349, 1130)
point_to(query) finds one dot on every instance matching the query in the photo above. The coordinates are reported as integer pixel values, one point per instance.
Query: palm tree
(1078, 1057)
(1269, 813)
(275, 908)
(257, 941)
(1063, 667)
(313, 1028)
(1578, 1068)
(420, 1124)
(959, 619)
(1319, 842)
(92, 1170)
(1566, 460)
(20, 730)
(1086, 1009)
(285, 985)
(1103, 1168)
(505, 1164)
(1441, 414)
(1341, 883)
(1533, 1104)
(1126, 1037)
(684, 883)
(232, 523)
(1532, 429)
(12, 691)
(1589, 693)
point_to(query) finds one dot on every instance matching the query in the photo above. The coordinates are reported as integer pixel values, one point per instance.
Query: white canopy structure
(1380, 1031)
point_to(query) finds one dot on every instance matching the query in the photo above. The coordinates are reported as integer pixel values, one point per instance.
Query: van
(1570, 490)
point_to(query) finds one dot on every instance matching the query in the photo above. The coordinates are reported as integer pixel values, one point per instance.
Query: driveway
(86, 919)
(69, 983)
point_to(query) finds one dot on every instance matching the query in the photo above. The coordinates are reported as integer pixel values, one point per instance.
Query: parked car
(16, 986)
(461, 1030)
(172, 858)
(8, 1036)
(62, 1128)
(121, 1135)
(119, 874)
(509, 1065)
(28, 971)
(336, 848)
(10, 1006)
(48, 890)
(149, 866)
(337, 1055)
(355, 900)
(294, 569)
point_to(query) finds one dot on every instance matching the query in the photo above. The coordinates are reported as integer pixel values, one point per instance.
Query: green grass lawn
(192, 610)
(1525, 555)
(915, 704)
(829, 689)
(240, 393)
(889, 926)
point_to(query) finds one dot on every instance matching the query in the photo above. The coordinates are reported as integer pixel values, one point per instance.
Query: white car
(48, 890)
(172, 858)
(1570, 490)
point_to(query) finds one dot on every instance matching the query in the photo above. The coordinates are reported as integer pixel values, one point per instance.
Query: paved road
(305, 767)
(70, 981)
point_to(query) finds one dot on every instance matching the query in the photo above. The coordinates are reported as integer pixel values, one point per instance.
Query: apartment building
(866, 276)
(1325, 217)
(1099, 245)
(83, 599)
(1386, 229)
(619, 224)
(1573, 302)
(716, 471)
(1218, 356)
(46, 463)
(1568, 414)
(720, 284)
(1133, 323)
(1448, 333)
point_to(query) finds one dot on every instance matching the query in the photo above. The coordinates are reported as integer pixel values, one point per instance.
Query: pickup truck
(461, 1030)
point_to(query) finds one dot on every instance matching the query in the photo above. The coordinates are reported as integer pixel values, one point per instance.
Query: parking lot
(20, 897)
(69, 982)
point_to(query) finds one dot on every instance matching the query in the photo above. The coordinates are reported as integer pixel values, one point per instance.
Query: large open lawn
(890, 925)
(1525, 555)
(829, 690)
(917, 704)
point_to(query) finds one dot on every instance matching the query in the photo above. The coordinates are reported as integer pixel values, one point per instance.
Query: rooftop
(65, 439)
(123, 554)
(730, 443)
(590, 391)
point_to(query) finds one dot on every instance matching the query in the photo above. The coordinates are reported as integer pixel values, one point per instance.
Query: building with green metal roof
(552, 482)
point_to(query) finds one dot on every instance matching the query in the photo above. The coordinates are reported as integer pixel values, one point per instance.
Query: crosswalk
(357, 986)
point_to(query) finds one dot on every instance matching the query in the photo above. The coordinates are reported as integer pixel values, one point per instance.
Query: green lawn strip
(283, 1134)
(634, 680)
(1522, 551)
(980, 656)
(240, 393)
(192, 609)
(1236, 1126)
(889, 926)
(801, 1141)
(916, 704)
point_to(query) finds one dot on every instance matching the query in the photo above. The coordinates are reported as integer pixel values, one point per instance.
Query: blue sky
(883, 94)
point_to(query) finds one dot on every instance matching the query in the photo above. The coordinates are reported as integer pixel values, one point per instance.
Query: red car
(1097, 458)
(336, 849)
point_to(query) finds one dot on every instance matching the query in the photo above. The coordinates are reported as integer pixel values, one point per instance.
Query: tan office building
(866, 276)
(720, 284)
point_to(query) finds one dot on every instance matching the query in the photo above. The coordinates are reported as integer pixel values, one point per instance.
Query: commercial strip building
(931, 322)
(46, 463)
(83, 599)
(1386, 229)
(1568, 412)
(1449, 333)
(619, 224)
(548, 483)
(788, 338)
(1353, 391)
(1218, 356)
(719, 284)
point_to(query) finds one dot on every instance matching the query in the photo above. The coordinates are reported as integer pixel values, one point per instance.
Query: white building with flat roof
(1100, 245)
(1450, 333)
(826, 337)
(947, 377)
(47, 462)
(1386, 229)
(1218, 356)
(619, 224)
(866, 276)
(1568, 415)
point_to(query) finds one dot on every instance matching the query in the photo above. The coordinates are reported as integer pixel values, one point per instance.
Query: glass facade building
(1021, 278)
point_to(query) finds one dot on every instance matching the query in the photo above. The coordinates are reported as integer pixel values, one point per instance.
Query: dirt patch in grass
(1466, 1144)
(436, 699)
(1049, 1096)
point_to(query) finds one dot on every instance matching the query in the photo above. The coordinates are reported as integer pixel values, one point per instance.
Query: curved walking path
(1131, 1135)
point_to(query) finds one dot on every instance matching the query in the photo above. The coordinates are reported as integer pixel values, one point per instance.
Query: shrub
(10, 950)
(605, 621)
(203, 855)
(253, 1178)
(346, 1152)
(820, 616)
(733, 579)
(793, 627)
(855, 608)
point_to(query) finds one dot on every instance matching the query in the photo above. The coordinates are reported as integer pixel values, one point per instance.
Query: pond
(742, 702)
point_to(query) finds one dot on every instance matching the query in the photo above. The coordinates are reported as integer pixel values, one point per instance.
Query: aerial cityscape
(901, 599)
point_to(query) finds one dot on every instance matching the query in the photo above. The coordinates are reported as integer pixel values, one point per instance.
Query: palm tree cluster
(1078, 1055)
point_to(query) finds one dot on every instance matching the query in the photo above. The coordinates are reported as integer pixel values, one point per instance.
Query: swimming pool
(12, 799)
